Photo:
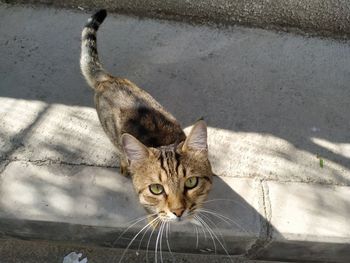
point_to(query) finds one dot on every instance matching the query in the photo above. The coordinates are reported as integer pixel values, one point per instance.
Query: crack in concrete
(267, 211)
(3, 166)
(265, 235)
(55, 162)
(287, 181)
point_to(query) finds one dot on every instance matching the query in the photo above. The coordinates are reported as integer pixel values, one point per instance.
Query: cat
(171, 173)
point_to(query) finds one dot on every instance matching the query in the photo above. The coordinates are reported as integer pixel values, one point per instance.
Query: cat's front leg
(124, 166)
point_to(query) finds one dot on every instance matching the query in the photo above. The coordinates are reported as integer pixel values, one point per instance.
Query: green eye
(191, 182)
(156, 189)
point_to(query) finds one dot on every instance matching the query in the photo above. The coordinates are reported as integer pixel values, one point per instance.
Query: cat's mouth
(185, 217)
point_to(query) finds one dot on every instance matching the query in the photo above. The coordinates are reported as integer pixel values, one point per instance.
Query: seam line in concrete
(5, 163)
(49, 161)
(258, 177)
(265, 235)
(267, 211)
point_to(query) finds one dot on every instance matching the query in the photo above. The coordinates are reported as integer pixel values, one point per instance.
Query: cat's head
(171, 181)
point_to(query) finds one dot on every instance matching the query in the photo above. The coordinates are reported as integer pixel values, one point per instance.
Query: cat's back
(121, 106)
(124, 108)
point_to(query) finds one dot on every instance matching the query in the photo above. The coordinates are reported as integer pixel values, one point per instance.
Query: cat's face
(171, 181)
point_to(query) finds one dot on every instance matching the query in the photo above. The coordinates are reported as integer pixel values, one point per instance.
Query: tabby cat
(171, 173)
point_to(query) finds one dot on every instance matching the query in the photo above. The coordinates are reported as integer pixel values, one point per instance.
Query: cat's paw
(124, 168)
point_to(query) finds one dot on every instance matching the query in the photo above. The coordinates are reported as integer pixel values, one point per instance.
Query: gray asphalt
(320, 17)
(19, 251)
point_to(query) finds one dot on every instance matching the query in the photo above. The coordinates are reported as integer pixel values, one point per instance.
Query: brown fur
(151, 143)
(170, 166)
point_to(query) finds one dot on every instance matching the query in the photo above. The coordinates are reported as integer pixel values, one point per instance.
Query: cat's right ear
(133, 148)
(197, 139)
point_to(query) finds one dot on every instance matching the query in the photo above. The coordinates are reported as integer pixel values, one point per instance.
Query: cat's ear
(133, 148)
(197, 139)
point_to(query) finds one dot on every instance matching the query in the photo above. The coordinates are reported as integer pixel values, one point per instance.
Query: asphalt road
(20, 251)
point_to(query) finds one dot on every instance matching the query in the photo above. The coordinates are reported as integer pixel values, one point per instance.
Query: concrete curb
(84, 205)
(273, 223)
(325, 17)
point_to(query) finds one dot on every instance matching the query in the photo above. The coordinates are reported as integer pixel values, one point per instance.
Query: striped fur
(170, 166)
(89, 61)
(150, 142)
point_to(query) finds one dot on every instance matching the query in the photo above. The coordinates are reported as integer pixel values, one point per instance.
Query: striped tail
(89, 62)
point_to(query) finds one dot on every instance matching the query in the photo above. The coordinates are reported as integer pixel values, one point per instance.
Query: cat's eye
(156, 189)
(191, 182)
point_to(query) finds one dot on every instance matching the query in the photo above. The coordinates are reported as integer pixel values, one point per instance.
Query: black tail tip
(100, 16)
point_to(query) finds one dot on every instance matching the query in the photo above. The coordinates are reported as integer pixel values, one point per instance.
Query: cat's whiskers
(196, 228)
(223, 218)
(213, 233)
(156, 248)
(149, 227)
(161, 239)
(209, 231)
(136, 221)
(149, 239)
(220, 216)
(226, 200)
(215, 225)
(165, 226)
(150, 223)
(167, 238)
(202, 228)
(192, 212)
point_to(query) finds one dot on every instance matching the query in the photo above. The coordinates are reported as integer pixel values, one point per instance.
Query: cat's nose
(178, 212)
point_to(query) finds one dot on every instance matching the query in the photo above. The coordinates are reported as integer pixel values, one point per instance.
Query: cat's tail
(89, 62)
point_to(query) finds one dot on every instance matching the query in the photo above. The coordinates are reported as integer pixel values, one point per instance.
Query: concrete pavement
(276, 104)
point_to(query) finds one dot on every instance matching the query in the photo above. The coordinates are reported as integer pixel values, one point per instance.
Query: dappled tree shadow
(266, 84)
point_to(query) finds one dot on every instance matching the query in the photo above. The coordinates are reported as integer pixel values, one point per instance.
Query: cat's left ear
(133, 148)
(197, 139)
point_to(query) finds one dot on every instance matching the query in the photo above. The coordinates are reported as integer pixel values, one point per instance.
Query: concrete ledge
(268, 221)
(323, 17)
(312, 222)
(94, 206)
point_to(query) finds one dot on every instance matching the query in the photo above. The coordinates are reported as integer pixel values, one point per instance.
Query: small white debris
(74, 258)
(81, 8)
(137, 253)
(315, 129)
